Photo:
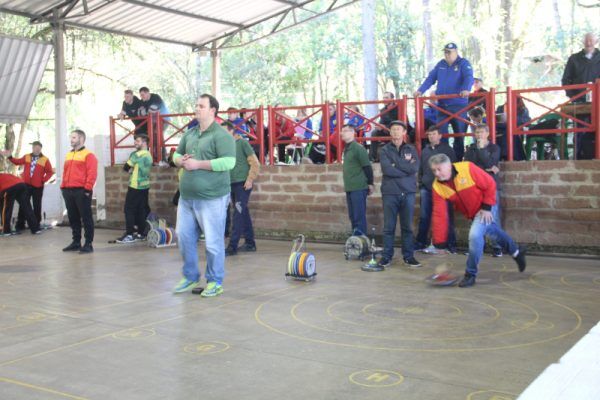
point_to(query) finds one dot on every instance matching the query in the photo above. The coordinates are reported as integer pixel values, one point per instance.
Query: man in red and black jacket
(37, 171)
(12, 188)
(473, 193)
(79, 178)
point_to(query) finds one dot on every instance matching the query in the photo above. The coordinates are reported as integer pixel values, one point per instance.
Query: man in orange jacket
(79, 178)
(37, 171)
(473, 193)
(12, 188)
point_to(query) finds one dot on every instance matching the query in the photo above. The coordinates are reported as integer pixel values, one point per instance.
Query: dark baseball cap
(36, 143)
(451, 46)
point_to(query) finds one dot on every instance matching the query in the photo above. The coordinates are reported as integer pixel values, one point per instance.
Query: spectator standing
(453, 75)
(133, 108)
(153, 105)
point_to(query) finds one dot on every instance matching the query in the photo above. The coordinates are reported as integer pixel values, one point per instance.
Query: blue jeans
(242, 222)
(394, 204)
(426, 208)
(477, 235)
(357, 210)
(458, 126)
(497, 220)
(208, 215)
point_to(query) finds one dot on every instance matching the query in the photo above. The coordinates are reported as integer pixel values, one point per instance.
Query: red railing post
(419, 122)
(490, 112)
(150, 127)
(112, 140)
(271, 116)
(161, 139)
(596, 115)
(340, 120)
(326, 132)
(260, 133)
(511, 121)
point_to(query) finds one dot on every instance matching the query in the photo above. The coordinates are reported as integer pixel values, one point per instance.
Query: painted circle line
(133, 334)
(202, 348)
(376, 378)
(491, 395)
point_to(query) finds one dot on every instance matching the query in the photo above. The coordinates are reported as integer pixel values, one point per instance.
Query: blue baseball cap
(451, 46)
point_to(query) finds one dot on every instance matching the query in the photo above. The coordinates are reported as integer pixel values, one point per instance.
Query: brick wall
(549, 204)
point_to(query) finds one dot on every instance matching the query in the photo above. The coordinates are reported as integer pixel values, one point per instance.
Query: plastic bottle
(534, 152)
(588, 95)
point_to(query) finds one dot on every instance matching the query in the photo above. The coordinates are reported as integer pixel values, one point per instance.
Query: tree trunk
(506, 43)
(9, 144)
(369, 57)
(428, 35)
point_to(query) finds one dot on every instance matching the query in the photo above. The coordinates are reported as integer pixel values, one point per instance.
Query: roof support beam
(183, 13)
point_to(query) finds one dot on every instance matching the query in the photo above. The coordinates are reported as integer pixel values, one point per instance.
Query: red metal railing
(486, 97)
(118, 138)
(593, 126)
(279, 114)
(368, 124)
(253, 120)
(168, 131)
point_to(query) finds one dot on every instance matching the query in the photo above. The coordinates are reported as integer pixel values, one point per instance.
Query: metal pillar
(60, 98)
(216, 70)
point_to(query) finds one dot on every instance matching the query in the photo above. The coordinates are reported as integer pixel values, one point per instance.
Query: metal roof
(21, 70)
(189, 22)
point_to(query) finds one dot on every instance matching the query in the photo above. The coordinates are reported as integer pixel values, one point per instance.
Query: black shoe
(412, 262)
(467, 281)
(247, 247)
(520, 258)
(87, 248)
(230, 251)
(74, 246)
(197, 290)
(496, 252)
(384, 262)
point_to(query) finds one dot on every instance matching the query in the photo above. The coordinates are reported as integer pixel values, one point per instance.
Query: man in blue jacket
(454, 75)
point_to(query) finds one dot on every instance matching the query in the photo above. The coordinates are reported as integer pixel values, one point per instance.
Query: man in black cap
(37, 170)
(453, 75)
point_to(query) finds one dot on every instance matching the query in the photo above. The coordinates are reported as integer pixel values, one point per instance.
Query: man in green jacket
(206, 153)
(136, 202)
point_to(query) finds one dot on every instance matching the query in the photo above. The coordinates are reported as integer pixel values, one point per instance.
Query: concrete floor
(106, 326)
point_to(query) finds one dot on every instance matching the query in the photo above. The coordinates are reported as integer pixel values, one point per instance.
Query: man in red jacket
(37, 171)
(79, 178)
(473, 193)
(12, 188)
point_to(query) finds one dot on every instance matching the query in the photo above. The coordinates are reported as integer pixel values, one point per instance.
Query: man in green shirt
(358, 180)
(136, 201)
(206, 153)
(242, 177)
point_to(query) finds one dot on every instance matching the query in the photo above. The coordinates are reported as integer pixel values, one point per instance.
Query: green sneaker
(212, 289)
(184, 285)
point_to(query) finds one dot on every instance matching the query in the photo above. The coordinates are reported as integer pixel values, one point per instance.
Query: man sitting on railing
(153, 105)
(583, 67)
(132, 107)
(454, 75)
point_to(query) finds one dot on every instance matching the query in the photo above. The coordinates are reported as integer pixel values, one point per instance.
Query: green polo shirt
(141, 162)
(239, 173)
(355, 158)
(213, 144)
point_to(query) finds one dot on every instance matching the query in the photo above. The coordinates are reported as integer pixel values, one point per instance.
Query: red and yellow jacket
(470, 190)
(81, 170)
(41, 174)
(7, 181)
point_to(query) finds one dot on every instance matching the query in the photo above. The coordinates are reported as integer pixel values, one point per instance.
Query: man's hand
(417, 93)
(408, 156)
(248, 184)
(188, 163)
(494, 170)
(465, 93)
(486, 216)
(121, 115)
(371, 189)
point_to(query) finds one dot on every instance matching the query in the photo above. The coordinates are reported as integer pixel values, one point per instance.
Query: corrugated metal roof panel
(21, 72)
(189, 22)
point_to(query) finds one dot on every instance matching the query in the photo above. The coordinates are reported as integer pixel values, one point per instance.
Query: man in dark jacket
(399, 167)
(453, 75)
(426, 179)
(583, 67)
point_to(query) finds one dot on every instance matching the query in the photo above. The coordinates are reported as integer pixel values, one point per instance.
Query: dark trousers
(357, 210)
(79, 211)
(136, 210)
(426, 209)
(394, 204)
(36, 195)
(242, 222)
(17, 192)
(458, 126)
(281, 149)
